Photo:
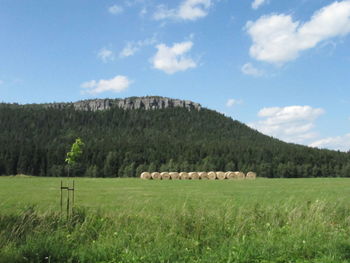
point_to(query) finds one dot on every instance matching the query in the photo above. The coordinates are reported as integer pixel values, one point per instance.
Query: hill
(125, 137)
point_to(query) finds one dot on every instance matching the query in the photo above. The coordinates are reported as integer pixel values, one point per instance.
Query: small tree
(74, 154)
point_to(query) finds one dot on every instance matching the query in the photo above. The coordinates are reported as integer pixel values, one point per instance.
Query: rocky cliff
(147, 103)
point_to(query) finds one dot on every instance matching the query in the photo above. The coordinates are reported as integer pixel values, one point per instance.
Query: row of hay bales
(197, 175)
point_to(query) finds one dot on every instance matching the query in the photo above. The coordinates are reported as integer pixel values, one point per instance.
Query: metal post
(70, 197)
(73, 195)
(68, 202)
(61, 198)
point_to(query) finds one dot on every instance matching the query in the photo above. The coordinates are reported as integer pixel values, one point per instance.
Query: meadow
(133, 220)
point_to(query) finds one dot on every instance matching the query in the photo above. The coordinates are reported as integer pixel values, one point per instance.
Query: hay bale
(239, 175)
(251, 175)
(165, 175)
(156, 176)
(211, 175)
(230, 175)
(203, 175)
(174, 175)
(184, 176)
(146, 176)
(194, 175)
(220, 175)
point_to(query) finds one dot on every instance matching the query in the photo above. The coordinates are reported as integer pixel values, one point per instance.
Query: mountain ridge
(129, 103)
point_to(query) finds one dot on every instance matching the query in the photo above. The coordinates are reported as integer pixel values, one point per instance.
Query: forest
(34, 140)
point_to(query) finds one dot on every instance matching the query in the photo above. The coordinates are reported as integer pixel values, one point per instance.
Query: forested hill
(34, 139)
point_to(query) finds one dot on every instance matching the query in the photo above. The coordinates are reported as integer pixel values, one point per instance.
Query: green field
(132, 220)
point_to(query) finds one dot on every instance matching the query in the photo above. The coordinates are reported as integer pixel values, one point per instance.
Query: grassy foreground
(130, 220)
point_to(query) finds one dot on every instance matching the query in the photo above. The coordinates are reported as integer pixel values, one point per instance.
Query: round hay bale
(220, 175)
(194, 175)
(174, 175)
(165, 175)
(156, 176)
(230, 175)
(203, 175)
(239, 175)
(251, 175)
(146, 176)
(211, 175)
(184, 176)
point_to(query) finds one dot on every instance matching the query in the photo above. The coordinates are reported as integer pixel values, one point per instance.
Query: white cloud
(257, 3)
(132, 47)
(129, 50)
(164, 13)
(173, 59)
(116, 84)
(1, 82)
(278, 39)
(341, 143)
(249, 69)
(291, 123)
(232, 102)
(115, 9)
(188, 10)
(105, 55)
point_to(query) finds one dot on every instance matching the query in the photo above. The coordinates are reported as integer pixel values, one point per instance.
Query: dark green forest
(34, 140)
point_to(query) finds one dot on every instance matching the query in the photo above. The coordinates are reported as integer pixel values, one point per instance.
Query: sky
(282, 67)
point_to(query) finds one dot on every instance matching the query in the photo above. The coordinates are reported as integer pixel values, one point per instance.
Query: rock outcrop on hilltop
(147, 103)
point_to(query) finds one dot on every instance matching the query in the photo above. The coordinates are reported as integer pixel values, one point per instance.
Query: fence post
(68, 201)
(61, 198)
(73, 195)
(70, 197)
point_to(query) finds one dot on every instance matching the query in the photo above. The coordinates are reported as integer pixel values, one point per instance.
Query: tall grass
(306, 231)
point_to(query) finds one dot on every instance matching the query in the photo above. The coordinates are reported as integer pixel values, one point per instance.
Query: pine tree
(110, 166)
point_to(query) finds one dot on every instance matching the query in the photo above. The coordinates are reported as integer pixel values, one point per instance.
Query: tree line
(34, 140)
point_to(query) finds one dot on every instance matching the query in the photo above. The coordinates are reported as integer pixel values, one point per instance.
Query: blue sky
(282, 67)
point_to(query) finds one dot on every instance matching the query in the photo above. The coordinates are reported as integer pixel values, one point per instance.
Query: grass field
(131, 220)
